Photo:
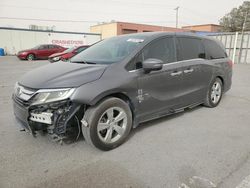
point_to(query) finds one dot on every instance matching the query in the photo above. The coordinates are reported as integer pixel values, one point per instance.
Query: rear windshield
(111, 50)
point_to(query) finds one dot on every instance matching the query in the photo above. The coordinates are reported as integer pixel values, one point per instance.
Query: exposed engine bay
(60, 120)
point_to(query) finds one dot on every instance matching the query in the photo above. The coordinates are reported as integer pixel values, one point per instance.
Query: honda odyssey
(120, 82)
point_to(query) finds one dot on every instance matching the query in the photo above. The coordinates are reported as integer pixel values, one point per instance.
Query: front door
(159, 92)
(43, 51)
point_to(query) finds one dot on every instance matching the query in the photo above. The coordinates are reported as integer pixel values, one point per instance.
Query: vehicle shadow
(160, 120)
(142, 126)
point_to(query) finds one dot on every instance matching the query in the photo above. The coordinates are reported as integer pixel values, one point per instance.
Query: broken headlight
(51, 95)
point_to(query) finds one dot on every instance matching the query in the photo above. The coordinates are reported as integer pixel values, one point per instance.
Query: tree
(234, 20)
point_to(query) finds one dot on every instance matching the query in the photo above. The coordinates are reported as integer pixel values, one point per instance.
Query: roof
(162, 33)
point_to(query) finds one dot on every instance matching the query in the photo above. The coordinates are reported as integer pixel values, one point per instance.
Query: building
(16, 39)
(204, 28)
(119, 28)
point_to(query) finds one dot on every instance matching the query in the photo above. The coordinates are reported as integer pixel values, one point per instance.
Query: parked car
(114, 85)
(67, 54)
(40, 52)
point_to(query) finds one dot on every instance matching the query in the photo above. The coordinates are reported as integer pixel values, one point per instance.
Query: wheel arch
(116, 94)
(119, 95)
(222, 80)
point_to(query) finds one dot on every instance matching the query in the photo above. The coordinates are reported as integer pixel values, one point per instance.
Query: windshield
(69, 49)
(111, 50)
(36, 47)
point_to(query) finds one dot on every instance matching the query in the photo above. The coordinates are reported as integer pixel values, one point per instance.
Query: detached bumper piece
(59, 119)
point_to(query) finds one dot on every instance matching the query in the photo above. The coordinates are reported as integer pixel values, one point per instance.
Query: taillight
(230, 63)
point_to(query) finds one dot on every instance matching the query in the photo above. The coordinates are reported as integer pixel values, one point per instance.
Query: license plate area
(41, 117)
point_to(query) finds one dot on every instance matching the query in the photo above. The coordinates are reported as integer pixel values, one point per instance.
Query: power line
(75, 21)
(78, 11)
(47, 20)
(144, 3)
(67, 10)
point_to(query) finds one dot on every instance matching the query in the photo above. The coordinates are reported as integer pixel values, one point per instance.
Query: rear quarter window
(189, 48)
(214, 50)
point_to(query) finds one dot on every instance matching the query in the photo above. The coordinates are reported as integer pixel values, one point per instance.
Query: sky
(79, 15)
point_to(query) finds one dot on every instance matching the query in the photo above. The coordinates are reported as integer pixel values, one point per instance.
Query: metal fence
(236, 44)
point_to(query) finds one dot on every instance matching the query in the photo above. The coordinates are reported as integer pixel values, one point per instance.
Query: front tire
(214, 93)
(108, 124)
(30, 57)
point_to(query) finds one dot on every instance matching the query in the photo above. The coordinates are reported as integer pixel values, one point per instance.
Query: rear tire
(30, 57)
(108, 124)
(214, 93)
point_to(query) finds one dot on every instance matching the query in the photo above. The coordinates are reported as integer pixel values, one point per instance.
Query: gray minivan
(114, 85)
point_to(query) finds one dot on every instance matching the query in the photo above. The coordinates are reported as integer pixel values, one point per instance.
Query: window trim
(167, 64)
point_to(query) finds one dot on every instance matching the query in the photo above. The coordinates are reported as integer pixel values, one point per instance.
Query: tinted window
(162, 49)
(80, 49)
(190, 48)
(213, 50)
(52, 46)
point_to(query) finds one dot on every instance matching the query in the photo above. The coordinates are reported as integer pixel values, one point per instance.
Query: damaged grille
(23, 94)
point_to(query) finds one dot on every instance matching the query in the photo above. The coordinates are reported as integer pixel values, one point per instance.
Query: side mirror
(152, 65)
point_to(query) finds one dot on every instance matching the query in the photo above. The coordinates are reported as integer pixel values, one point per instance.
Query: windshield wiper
(84, 62)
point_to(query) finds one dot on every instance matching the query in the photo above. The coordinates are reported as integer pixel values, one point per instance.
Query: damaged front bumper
(59, 119)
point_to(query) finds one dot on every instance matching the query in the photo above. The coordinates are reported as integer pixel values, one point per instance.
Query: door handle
(188, 70)
(176, 73)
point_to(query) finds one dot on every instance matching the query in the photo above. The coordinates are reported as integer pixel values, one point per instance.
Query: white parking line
(245, 183)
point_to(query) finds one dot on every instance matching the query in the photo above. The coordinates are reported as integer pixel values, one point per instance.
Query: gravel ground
(201, 146)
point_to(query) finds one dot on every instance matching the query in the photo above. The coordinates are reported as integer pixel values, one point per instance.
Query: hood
(27, 50)
(62, 75)
(57, 54)
(68, 55)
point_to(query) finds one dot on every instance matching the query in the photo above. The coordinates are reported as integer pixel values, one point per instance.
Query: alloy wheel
(112, 125)
(216, 92)
(30, 57)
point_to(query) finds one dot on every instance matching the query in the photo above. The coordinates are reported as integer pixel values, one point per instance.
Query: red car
(40, 52)
(67, 54)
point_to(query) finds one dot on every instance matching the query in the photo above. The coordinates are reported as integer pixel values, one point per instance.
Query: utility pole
(177, 15)
(242, 36)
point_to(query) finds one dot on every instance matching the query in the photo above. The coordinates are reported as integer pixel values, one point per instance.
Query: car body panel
(157, 95)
